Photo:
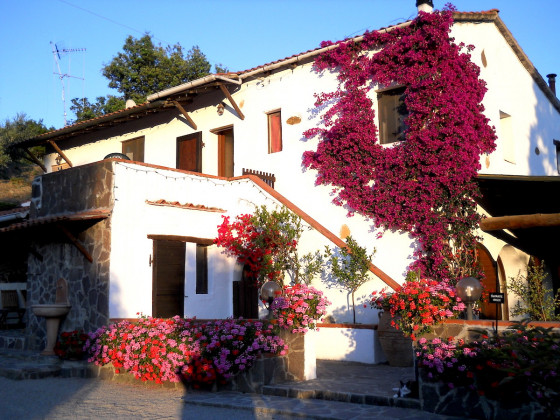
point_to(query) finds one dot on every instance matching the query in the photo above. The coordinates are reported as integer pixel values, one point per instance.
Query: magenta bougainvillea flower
(424, 185)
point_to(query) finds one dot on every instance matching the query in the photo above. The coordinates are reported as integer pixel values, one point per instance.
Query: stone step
(12, 339)
(293, 391)
(25, 364)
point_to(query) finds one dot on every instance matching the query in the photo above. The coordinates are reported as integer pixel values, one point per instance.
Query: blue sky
(240, 34)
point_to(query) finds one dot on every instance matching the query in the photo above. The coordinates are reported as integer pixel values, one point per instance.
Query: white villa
(136, 236)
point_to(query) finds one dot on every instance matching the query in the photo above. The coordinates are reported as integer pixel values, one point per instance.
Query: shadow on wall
(349, 342)
(542, 150)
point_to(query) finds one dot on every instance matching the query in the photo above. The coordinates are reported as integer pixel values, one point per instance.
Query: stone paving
(341, 391)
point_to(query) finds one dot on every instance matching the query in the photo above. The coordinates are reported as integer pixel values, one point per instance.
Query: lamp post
(469, 290)
(268, 292)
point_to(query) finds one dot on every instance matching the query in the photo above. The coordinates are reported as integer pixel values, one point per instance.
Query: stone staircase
(12, 339)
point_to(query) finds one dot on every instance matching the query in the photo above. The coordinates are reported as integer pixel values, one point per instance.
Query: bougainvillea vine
(424, 185)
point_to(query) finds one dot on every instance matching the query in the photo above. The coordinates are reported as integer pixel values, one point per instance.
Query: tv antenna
(57, 53)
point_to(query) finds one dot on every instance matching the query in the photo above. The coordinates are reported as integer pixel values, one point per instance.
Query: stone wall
(73, 190)
(54, 256)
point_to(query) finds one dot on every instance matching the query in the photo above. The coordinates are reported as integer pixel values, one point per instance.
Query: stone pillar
(302, 360)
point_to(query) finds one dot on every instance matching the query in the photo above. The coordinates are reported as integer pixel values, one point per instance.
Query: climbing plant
(425, 184)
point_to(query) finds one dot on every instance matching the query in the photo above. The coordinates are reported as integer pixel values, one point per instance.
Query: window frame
(387, 112)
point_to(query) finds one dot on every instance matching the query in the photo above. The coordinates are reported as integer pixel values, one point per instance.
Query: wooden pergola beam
(521, 221)
(185, 114)
(231, 101)
(75, 241)
(35, 160)
(60, 152)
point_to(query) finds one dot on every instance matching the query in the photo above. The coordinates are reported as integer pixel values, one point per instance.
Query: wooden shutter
(225, 153)
(274, 132)
(134, 149)
(201, 269)
(189, 152)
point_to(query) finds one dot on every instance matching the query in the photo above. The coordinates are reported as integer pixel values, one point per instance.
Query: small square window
(274, 132)
(557, 144)
(134, 149)
(392, 114)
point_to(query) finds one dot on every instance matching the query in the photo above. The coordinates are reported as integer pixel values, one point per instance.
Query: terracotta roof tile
(188, 206)
(39, 221)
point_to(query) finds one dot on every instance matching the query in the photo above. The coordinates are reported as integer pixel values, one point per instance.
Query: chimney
(552, 82)
(425, 5)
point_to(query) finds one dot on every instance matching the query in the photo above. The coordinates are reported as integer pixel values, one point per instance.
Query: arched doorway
(491, 283)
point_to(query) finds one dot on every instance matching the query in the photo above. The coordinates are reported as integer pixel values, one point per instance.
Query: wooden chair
(10, 310)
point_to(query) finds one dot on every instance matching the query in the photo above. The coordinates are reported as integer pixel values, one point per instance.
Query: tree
(85, 110)
(12, 132)
(144, 68)
(351, 269)
(536, 299)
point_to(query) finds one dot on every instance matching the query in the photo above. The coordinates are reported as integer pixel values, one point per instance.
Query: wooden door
(225, 153)
(168, 278)
(189, 152)
(246, 297)
(490, 283)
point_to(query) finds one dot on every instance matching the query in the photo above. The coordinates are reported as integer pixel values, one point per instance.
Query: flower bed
(203, 353)
(513, 373)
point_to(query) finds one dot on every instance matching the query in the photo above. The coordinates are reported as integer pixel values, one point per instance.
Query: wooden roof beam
(185, 114)
(231, 101)
(35, 160)
(75, 241)
(60, 152)
(521, 221)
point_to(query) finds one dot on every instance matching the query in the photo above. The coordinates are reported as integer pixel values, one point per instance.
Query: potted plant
(299, 308)
(350, 269)
(412, 310)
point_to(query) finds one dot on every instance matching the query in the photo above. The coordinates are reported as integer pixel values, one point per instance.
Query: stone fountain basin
(51, 310)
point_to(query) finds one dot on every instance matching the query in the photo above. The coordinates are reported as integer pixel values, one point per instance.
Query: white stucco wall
(349, 344)
(511, 89)
(131, 248)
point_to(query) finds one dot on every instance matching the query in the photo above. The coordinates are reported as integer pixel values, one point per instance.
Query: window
(392, 113)
(274, 132)
(506, 136)
(225, 152)
(134, 149)
(557, 144)
(201, 269)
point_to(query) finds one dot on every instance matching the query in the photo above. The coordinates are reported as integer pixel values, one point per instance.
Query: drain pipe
(552, 82)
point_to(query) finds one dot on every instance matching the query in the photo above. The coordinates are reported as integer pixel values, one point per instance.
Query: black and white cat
(408, 389)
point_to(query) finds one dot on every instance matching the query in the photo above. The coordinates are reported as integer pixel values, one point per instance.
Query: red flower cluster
(255, 245)
(418, 305)
(70, 345)
(424, 185)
